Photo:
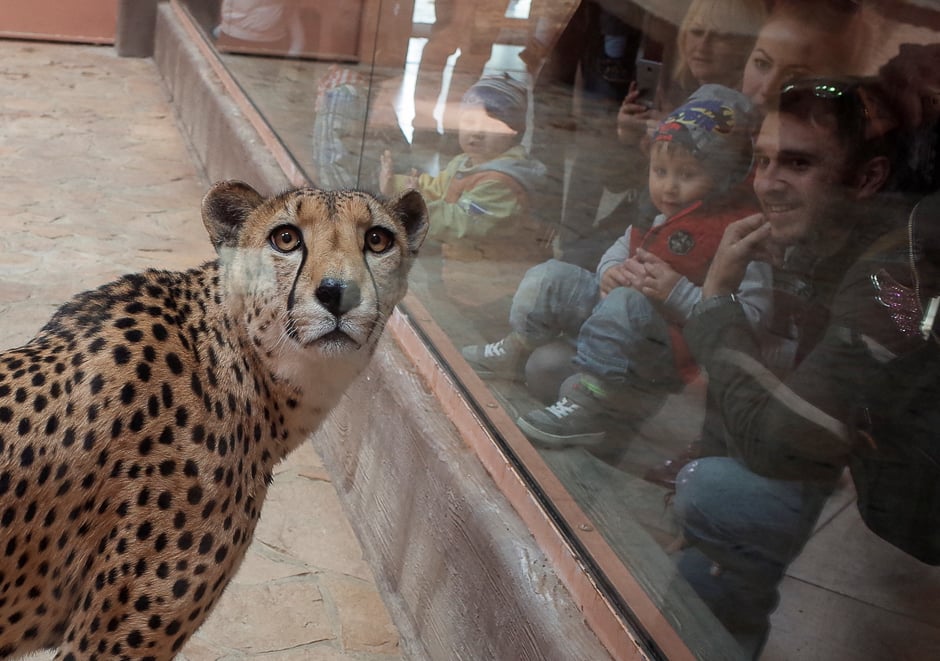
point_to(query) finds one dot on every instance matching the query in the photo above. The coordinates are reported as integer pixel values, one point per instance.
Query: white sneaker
(564, 423)
(504, 359)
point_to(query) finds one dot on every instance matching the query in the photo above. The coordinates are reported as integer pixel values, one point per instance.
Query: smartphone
(647, 80)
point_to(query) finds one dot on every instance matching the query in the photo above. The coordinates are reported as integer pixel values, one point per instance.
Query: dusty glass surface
(582, 162)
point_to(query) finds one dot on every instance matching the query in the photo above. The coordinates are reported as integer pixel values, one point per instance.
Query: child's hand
(659, 278)
(615, 276)
(630, 273)
(386, 173)
(632, 117)
(412, 180)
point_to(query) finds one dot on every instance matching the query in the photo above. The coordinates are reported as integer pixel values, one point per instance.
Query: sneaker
(564, 423)
(501, 360)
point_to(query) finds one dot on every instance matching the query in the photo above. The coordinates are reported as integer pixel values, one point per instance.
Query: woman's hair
(738, 18)
(847, 32)
(828, 15)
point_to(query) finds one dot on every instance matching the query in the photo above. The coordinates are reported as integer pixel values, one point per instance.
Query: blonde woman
(712, 46)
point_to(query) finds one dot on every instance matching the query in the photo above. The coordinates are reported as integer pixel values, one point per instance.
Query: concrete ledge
(465, 576)
(461, 574)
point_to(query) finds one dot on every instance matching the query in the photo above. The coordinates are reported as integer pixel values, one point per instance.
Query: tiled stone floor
(96, 181)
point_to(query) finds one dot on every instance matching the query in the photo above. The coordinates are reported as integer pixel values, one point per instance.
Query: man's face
(799, 181)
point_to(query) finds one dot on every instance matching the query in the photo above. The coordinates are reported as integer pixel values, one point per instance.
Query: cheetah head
(313, 275)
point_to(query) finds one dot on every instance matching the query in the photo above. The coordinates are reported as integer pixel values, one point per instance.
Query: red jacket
(687, 242)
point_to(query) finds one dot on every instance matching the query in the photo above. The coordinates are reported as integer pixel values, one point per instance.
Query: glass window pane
(691, 249)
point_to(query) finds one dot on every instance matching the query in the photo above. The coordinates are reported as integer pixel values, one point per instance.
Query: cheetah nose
(338, 296)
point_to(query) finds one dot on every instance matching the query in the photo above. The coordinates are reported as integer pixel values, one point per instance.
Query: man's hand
(659, 278)
(743, 242)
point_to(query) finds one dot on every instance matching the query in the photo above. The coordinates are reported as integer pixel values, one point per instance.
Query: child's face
(482, 137)
(677, 179)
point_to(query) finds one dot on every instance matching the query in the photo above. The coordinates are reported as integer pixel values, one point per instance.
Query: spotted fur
(140, 427)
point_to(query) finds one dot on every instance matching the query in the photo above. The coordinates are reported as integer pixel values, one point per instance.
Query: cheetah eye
(379, 239)
(285, 238)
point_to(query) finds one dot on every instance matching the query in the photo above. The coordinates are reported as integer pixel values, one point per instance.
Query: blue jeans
(753, 527)
(621, 338)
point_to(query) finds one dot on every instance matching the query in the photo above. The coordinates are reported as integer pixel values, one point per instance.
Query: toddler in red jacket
(625, 319)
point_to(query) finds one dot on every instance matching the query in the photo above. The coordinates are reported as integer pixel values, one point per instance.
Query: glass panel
(582, 162)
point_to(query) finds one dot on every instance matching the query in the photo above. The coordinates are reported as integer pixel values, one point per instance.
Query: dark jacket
(798, 427)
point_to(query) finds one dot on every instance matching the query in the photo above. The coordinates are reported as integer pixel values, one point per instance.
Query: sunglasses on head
(855, 102)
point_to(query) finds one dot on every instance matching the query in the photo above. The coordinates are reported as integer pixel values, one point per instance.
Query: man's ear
(872, 177)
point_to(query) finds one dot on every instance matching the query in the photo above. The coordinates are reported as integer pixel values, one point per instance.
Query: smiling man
(822, 160)
(812, 170)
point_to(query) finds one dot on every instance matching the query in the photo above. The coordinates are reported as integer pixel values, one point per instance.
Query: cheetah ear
(410, 209)
(225, 207)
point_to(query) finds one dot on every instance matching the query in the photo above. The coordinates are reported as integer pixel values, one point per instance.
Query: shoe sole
(543, 438)
(505, 376)
(487, 373)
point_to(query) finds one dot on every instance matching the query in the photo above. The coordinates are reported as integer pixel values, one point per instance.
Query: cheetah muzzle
(140, 427)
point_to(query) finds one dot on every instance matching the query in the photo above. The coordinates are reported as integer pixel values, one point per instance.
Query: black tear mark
(292, 296)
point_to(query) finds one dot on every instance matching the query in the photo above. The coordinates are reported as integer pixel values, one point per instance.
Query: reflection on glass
(692, 247)
(274, 26)
(482, 230)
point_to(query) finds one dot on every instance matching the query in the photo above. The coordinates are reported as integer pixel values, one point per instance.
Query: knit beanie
(503, 97)
(716, 125)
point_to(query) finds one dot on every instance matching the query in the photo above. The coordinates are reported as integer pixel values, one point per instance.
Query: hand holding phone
(647, 81)
(632, 117)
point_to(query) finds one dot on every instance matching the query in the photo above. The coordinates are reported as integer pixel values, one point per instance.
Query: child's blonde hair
(670, 148)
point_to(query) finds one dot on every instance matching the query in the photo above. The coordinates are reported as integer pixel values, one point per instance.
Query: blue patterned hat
(716, 125)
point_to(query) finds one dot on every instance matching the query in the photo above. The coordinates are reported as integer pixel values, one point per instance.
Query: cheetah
(140, 427)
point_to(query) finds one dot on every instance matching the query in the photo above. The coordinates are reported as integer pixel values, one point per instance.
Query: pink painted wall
(93, 21)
